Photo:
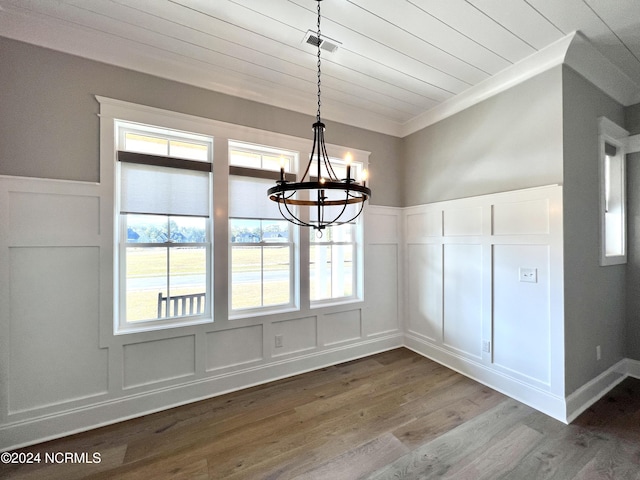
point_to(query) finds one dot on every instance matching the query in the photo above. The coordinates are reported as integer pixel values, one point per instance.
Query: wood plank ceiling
(398, 59)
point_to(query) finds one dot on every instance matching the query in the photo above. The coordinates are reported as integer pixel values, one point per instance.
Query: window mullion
(168, 263)
(261, 258)
(168, 276)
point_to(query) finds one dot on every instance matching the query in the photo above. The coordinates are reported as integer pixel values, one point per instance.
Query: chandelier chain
(319, 42)
(331, 200)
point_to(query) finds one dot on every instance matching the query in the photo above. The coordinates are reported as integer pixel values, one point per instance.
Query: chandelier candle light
(331, 201)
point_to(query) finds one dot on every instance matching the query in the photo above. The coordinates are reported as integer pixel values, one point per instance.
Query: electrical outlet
(486, 346)
(278, 341)
(598, 352)
(528, 274)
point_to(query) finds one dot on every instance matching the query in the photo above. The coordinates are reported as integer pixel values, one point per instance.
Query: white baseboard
(565, 410)
(60, 424)
(632, 368)
(546, 402)
(591, 392)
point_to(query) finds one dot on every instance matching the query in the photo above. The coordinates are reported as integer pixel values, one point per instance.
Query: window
(164, 228)
(262, 246)
(258, 157)
(612, 193)
(334, 255)
(332, 269)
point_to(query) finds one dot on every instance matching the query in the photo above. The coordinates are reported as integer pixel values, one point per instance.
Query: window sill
(261, 313)
(151, 326)
(335, 302)
(609, 260)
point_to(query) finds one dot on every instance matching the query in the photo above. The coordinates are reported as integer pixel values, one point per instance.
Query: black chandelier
(331, 200)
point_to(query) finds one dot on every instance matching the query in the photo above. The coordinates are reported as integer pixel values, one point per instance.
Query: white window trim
(121, 325)
(611, 133)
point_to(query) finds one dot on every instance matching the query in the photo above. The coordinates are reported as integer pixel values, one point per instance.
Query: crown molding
(573, 50)
(589, 62)
(525, 69)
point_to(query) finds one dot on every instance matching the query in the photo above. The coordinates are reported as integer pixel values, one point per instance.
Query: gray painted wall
(632, 119)
(633, 256)
(510, 141)
(49, 122)
(632, 123)
(594, 295)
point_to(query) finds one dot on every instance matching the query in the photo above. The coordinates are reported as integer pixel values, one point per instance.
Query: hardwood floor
(395, 415)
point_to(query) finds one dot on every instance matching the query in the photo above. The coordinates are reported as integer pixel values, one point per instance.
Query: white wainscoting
(466, 304)
(441, 279)
(61, 368)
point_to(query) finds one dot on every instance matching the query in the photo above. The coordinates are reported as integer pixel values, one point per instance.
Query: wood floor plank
(617, 460)
(498, 457)
(361, 460)
(562, 455)
(444, 414)
(395, 415)
(435, 459)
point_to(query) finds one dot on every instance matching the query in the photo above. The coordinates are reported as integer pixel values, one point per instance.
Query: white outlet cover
(527, 274)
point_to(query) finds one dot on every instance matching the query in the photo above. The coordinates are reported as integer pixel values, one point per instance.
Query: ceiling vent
(328, 44)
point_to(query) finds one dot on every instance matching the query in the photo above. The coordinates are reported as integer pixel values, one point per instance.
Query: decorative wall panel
(341, 327)
(521, 218)
(52, 219)
(424, 309)
(54, 348)
(159, 360)
(463, 222)
(463, 298)
(424, 224)
(521, 310)
(234, 347)
(381, 289)
(297, 335)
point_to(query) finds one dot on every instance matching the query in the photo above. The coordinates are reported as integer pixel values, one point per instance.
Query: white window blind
(248, 198)
(164, 190)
